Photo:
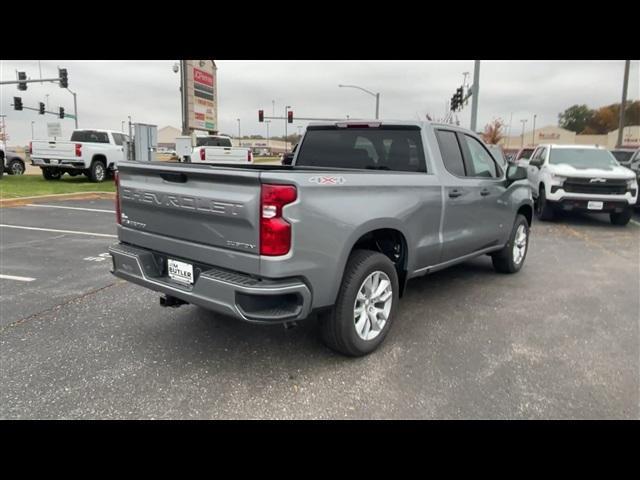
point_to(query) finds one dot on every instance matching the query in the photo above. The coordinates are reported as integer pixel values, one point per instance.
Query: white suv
(581, 178)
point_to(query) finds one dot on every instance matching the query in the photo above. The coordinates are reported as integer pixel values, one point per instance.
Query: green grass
(12, 186)
(266, 159)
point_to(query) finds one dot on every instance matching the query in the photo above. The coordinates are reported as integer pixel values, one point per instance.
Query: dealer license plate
(594, 206)
(180, 271)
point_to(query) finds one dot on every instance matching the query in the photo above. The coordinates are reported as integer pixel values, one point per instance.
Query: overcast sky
(109, 91)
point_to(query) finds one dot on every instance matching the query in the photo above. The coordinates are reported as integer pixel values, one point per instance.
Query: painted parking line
(19, 279)
(71, 208)
(19, 227)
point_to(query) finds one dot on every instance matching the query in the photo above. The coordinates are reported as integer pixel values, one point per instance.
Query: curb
(16, 202)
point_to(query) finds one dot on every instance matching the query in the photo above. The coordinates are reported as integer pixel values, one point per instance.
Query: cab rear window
(391, 148)
(89, 136)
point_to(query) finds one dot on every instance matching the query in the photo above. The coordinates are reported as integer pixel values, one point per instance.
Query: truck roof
(555, 145)
(97, 130)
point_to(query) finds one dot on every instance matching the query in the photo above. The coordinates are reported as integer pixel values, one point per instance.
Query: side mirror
(515, 173)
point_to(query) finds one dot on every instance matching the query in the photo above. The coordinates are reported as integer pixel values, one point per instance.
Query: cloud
(109, 91)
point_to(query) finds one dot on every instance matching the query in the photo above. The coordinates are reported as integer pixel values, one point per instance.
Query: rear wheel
(621, 218)
(97, 171)
(16, 167)
(544, 210)
(51, 173)
(511, 258)
(366, 305)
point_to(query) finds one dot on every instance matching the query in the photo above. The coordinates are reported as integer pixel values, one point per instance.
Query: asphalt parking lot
(561, 339)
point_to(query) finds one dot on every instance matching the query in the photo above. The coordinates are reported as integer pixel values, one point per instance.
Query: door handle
(484, 192)
(455, 193)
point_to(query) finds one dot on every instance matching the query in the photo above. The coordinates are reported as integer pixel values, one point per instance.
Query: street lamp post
(267, 122)
(533, 135)
(239, 136)
(47, 100)
(522, 136)
(75, 106)
(32, 135)
(377, 95)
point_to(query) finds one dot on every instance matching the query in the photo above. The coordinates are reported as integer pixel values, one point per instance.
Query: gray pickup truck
(364, 207)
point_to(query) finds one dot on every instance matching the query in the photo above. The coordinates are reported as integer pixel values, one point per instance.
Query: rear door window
(118, 138)
(393, 148)
(89, 136)
(451, 153)
(481, 162)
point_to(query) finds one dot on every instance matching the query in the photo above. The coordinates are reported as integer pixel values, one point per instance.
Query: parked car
(523, 156)
(218, 149)
(94, 153)
(623, 155)
(287, 158)
(362, 209)
(634, 166)
(581, 178)
(12, 163)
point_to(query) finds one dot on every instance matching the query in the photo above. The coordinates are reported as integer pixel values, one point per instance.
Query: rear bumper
(241, 296)
(63, 164)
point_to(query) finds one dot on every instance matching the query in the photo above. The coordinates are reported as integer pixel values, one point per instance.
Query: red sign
(202, 77)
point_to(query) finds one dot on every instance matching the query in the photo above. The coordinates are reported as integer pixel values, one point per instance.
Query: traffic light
(17, 103)
(61, 112)
(290, 116)
(22, 85)
(41, 110)
(261, 115)
(459, 93)
(454, 103)
(62, 75)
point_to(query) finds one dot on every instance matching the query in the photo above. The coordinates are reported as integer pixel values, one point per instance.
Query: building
(167, 137)
(554, 134)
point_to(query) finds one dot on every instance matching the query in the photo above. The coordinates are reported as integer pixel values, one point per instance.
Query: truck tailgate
(192, 211)
(43, 149)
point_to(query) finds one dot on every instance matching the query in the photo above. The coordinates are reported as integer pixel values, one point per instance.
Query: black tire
(503, 260)
(621, 218)
(97, 171)
(544, 210)
(338, 325)
(16, 167)
(51, 173)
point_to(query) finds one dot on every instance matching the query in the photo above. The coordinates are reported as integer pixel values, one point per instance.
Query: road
(559, 340)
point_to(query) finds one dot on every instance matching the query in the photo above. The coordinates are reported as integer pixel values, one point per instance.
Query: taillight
(249, 156)
(202, 154)
(116, 178)
(78, 149)
(30, 148)
(275, 231)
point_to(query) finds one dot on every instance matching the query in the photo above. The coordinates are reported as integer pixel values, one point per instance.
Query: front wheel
(544, 210)
(511, 258)
(621, 218)
(97, 172)
(16, 167)
(51, 173)
(366, 304)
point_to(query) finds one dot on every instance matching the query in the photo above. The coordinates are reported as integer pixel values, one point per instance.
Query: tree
(575, 118)
(493, 132)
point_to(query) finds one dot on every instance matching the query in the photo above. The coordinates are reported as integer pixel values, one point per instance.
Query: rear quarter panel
(328, 219)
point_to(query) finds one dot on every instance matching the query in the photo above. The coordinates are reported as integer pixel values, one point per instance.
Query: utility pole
(475, 93)
(623, 105)
(239, 136)
(32, 123)
(286, 120)
(522, 142)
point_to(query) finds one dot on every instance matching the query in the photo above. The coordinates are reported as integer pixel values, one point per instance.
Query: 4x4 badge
(327, 180)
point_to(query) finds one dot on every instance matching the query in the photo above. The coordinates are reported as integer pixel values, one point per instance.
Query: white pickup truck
(218, 149)
(581, 178)
(94, 153)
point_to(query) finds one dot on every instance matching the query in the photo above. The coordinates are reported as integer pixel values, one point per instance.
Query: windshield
(386, 148)
(582, 157)
(525, 154)
(623, 156)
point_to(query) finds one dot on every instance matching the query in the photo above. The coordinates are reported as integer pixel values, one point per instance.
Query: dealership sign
(202, 95)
